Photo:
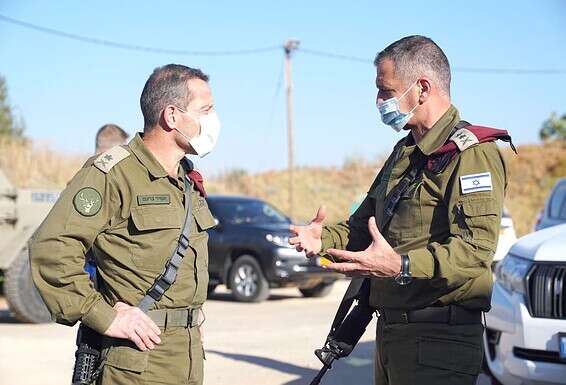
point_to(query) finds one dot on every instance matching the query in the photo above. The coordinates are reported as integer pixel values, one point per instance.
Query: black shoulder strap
(169, 274)
(390, 203)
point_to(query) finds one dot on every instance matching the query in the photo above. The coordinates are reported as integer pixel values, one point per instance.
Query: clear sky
(67, 89)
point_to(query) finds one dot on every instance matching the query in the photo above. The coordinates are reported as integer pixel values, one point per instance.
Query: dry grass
(28, 165)
(532, 174)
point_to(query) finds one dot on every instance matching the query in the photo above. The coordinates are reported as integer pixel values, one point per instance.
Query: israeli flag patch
(476, 182)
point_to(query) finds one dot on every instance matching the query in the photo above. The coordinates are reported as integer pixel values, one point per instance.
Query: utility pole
(290, 46)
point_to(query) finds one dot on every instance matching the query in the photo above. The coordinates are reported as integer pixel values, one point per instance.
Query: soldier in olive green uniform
(128, 205)
(430, 261)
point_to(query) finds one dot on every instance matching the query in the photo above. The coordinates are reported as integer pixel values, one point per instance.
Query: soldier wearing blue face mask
(425, 234)
(390, 111)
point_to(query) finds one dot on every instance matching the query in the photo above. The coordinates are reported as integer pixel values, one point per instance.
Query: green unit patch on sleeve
(157, 199)
(87, 201)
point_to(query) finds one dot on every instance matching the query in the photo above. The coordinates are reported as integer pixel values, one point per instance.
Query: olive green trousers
(178, 360)
(428, 353)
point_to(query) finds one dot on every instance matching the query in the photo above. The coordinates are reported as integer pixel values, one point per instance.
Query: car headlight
(511, 273)
(279, 240)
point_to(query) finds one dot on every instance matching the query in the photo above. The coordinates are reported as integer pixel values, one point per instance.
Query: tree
(10, 124)
(554, 127)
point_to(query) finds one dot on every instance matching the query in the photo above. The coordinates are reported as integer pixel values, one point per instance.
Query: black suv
(249, 252)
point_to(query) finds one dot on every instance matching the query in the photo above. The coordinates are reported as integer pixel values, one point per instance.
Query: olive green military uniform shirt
(448, 230)
(124, 206)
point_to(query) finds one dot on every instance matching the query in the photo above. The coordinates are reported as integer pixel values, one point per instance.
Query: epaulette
(462, 139)
(110, 158)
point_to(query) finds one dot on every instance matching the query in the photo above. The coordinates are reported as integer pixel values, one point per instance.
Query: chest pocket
(407, 219)
(153, 218)
(155, 230)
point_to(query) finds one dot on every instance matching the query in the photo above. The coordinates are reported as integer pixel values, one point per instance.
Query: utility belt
(181, 318)
(450, 314)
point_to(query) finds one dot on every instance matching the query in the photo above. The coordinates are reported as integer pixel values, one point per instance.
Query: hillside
(531, 175)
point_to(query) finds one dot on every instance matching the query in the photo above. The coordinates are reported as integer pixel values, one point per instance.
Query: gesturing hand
(379, 259)
(307, 237)
(133, 324)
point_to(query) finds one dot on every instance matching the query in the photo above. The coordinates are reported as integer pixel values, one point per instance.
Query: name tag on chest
(156, 199)
(476, 182)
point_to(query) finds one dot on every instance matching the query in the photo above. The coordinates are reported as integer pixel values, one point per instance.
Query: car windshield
(247, 212)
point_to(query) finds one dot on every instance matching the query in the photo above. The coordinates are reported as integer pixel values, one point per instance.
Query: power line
(331, 55)
(515, 71)
(134, 47)
(512, 71)
(253, 51)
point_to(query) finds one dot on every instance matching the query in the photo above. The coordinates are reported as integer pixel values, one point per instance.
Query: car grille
(546, 291)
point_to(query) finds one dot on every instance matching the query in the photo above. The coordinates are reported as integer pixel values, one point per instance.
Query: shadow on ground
(355, 369)
(223, 296)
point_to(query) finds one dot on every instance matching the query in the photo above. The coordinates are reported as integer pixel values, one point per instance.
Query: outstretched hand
(308, 238)
(379, 259)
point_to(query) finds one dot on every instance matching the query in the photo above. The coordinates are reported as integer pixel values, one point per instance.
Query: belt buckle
(189, 318)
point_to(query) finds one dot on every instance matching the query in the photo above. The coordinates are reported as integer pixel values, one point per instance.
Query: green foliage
(554, 127)
(10, 125)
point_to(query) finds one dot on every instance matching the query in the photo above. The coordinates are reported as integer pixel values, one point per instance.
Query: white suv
(525, 339)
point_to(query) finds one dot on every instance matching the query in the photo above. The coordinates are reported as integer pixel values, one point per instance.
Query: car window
(239, 212)
(558, 203)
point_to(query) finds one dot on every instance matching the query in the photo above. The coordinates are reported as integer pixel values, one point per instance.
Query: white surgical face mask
(204, 142)
(391, 113)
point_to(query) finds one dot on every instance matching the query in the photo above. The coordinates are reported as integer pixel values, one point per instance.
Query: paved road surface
(270, 343)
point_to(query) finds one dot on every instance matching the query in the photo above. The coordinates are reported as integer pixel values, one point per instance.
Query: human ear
(169, 117)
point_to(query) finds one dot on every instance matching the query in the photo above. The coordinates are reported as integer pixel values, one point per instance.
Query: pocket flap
(204, 219)
(154, 218)
(478, 207)
(127, 358)
(457, 356)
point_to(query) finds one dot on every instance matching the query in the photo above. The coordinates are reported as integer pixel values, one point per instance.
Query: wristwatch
(404, 277)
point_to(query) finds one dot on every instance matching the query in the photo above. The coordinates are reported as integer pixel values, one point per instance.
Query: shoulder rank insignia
(464, 138)
(110, 158)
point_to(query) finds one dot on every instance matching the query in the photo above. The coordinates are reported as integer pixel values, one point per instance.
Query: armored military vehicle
(21, 212)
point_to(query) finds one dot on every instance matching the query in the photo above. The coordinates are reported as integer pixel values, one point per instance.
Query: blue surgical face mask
(391, 114)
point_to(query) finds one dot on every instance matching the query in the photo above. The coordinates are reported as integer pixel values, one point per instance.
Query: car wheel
(247, 281)
(21, 294)
(320, 290)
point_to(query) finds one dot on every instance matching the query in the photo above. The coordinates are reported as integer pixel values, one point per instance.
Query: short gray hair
(415, 56)
(167, 85)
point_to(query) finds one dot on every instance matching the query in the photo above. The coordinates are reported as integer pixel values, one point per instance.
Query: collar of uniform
(439, 133)
(146, 157)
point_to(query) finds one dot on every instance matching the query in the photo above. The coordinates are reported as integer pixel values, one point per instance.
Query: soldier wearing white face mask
(141, 209)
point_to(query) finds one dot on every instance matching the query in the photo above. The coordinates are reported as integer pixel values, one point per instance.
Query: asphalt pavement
(268, 343)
